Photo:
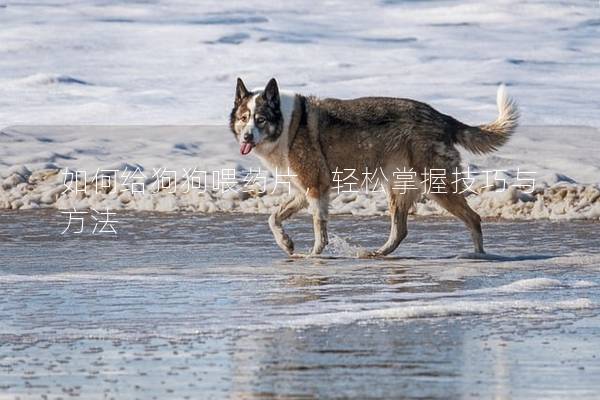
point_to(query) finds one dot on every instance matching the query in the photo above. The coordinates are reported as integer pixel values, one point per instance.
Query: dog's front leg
(284, 211)
(319, 209)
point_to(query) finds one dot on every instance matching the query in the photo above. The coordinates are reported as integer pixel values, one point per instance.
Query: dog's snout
(248, 137)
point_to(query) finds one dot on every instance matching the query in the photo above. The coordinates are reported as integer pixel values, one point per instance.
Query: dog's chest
(276, 163)
(279, 166)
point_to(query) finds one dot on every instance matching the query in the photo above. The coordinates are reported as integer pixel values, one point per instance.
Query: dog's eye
(260, 120)
(244, 118)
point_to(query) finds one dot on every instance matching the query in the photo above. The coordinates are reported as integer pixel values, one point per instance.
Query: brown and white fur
(312, 137)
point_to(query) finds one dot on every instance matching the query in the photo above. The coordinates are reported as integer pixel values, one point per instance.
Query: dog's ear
(240, 92)
(271, 93)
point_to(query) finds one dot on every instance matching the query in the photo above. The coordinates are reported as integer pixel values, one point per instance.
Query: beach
(186, 305)
(136, 259)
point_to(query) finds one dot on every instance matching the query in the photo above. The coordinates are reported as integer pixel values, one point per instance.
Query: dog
(312, 137)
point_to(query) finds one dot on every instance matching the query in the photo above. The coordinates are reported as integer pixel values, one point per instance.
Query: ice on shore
(449, 308)
(176, 63)
(36, 163)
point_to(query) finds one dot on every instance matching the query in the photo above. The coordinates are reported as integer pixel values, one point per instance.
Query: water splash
(340, 247)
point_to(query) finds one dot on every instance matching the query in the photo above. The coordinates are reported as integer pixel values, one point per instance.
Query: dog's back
(374, 132)
(368, 132)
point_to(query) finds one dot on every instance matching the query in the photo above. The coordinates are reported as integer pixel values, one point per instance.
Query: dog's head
(256, 119)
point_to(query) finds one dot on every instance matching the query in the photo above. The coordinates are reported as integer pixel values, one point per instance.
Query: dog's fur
(314, 137)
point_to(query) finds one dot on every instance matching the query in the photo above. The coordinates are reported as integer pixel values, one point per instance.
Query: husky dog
(314, 137)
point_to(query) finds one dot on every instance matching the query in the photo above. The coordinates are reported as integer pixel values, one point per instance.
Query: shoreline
(34, 162)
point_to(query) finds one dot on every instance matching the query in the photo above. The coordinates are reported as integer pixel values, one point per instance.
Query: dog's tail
(489, 137)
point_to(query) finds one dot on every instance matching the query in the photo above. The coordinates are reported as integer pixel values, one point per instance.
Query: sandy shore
(182, 304)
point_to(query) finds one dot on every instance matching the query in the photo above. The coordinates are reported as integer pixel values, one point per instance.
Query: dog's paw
(287, 244)
(300, 255)
(370, 254)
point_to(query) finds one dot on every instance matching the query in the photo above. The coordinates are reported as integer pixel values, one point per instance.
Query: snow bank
(37, 163)
(176, 63)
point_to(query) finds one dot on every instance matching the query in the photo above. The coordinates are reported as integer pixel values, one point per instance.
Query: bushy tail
(489, 137)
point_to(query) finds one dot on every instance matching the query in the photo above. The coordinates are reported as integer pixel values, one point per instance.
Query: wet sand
(194, 306)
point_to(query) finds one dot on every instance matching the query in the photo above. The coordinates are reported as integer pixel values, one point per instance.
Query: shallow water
(189, 306)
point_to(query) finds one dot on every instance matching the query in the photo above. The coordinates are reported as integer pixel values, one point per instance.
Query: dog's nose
(248, 137)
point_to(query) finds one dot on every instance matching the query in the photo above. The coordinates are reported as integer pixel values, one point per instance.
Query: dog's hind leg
(399, 205)
(285, 210)
(319, 208)
(457, 205)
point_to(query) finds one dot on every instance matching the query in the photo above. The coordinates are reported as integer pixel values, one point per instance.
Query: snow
(175, 62)
(173, 66)
(36, 161)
